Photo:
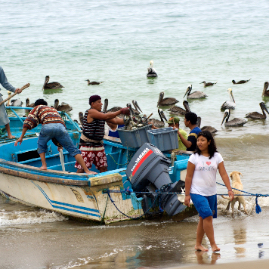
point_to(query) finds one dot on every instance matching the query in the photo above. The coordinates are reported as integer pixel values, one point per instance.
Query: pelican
(113, 109)
(236, 122)
(93, 82)
(168, 101)
(180, 111)
(63, 107)
(240, 82)
(159, 123)
(27, 102)
(194, 95)
(265, 92)
(257, 115)
(229, 104)
(51, 85)
(137, 110)
(81, 116)
(208, 84)
(211, 129)
(151, 71)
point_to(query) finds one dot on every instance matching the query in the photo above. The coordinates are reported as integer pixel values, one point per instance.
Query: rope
(258, 208)
(108, 193)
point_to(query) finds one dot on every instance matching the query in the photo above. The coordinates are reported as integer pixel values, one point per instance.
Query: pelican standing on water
(208, 84)
(257, 115)
(51, 85)
(229, 104)
(168, 101)
(265, 92)
(236, 122)
(151, 71)
(194, 95)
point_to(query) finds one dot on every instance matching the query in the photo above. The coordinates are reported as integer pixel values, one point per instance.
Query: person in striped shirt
(53, 127)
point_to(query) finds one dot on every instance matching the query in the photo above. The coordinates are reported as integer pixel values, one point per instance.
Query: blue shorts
(205, 205)
(57, 130)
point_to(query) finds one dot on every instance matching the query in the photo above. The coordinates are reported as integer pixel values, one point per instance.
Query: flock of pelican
(227, 106)
(168, 101)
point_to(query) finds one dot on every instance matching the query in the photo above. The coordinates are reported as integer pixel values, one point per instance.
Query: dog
(237, 184)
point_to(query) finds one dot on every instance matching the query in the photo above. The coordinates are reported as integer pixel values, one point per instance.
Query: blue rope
(258, 208)
(108, 193)
(128, 191)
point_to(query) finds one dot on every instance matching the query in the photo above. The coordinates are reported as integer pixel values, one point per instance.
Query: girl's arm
(188, 181)
(226, 179)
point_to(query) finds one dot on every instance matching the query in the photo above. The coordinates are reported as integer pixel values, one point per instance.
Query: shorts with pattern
(93, 155)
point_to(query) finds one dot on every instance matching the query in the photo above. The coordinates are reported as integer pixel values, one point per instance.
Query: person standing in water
(201, 188)
(4, 120)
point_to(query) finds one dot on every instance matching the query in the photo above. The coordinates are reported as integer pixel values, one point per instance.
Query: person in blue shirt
(190, 121)
(4, 120)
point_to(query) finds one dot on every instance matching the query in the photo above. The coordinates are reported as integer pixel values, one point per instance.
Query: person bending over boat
(4, 120)
(91, 144)
(190, 121)
(53, 127)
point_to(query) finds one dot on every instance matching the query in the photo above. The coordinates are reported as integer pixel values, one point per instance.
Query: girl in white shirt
(200, 186)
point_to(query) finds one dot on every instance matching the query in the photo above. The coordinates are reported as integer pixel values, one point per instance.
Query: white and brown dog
(237, 184)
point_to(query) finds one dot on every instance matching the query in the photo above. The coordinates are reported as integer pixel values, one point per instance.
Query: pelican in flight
(63, 107)
(93, 82)
(211, 129)
(236, 122)
(229, 104)
(168, 101)
(51, 85)
(265, 92)
(194, 95)
(151, 71)
(180, 111)
(208, 84)
(257, 115)
(240, 81)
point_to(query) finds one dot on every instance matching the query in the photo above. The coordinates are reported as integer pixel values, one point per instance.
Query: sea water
(112, 42)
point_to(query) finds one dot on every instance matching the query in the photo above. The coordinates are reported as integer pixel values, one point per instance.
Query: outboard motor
(149, 165)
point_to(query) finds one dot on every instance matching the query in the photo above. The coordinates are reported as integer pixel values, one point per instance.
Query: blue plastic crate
(134, 138)
(163, 138)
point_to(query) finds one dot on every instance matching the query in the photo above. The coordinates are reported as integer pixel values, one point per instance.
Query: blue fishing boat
(132, 188)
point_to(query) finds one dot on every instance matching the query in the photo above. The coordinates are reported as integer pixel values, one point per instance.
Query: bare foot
(90, 172)
(215, 248)
(11, 136)
(200, 248)
(43, 167)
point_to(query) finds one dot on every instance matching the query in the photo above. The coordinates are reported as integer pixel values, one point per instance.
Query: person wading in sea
(4, 120)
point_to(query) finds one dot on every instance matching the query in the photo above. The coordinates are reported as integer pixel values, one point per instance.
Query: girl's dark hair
(211, 147)
(41, 102)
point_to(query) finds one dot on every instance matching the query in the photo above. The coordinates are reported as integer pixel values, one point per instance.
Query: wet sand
(261, 264)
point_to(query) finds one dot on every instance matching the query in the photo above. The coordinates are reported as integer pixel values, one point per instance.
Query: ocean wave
(10, 218)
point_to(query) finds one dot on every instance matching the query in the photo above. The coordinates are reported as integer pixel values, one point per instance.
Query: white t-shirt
(204, 176)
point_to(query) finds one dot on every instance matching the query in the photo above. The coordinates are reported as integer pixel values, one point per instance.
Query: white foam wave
(8, 218)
